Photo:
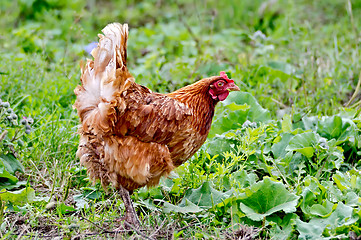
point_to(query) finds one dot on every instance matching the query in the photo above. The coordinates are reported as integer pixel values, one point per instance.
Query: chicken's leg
(130, 215)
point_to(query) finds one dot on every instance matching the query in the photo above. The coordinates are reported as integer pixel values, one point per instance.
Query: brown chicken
(131, 136)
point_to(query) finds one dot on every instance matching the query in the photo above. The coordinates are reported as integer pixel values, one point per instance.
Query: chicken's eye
(220, 84)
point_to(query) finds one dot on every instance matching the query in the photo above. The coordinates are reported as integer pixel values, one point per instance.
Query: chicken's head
(221, 87)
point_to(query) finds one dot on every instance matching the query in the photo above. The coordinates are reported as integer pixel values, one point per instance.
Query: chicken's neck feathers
(198, 99)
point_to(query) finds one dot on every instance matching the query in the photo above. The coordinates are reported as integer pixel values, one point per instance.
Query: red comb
(224, 75)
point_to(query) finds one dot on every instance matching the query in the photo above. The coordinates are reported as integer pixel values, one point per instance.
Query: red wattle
(223, 96)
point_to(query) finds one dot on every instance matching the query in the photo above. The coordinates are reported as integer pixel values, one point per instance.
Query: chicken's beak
(233, 87)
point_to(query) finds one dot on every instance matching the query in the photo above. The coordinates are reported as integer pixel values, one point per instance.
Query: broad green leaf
(286, 123)
(148, 203)
(330, 127)
(19, 197)
(276, 75)
(8, 166)
(342, 216)
(308, 230)
(341, 181)
(357, 183)
(156, 193)
(91, 193)
(11, 163)
(267, 197)
(308, 199)
(310, 123)
(279, 149)
(303, 143)
(187, 207)
(352, 199)
(239, 107)
(80, 202)
(323, 210)
(336, 127)
(229, 119)
(9, 185)
(6, 179)
(256, 112)
(234, 107)
(332, 191)
(307, 151)
(196, 200)
(206, 196)
(63, 209)
(282, 228)
(219, 144)
(244, 179)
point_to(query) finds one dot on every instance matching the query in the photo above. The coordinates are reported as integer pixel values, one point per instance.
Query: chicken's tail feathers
(110, 59)
(111, 52)
(102, 79)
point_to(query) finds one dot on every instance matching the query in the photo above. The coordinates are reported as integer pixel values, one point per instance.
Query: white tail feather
(98, 77)
(110, 51)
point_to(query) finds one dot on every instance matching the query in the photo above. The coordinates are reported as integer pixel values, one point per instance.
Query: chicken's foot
(130, 216)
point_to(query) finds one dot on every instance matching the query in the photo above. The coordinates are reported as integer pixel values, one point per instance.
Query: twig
(137, 231)
(3, 135)
(319, 172)
(304, 87)
(101, 228)
(279, 103)
(279, 171)
(356, 104)
(117, 231)
(156, 231)
(22, 232)
(53, 235)
(185, 227)
(357, 89)
(15, 135)
(12, 149)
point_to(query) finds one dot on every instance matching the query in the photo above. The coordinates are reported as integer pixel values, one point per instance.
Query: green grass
(297, 58)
